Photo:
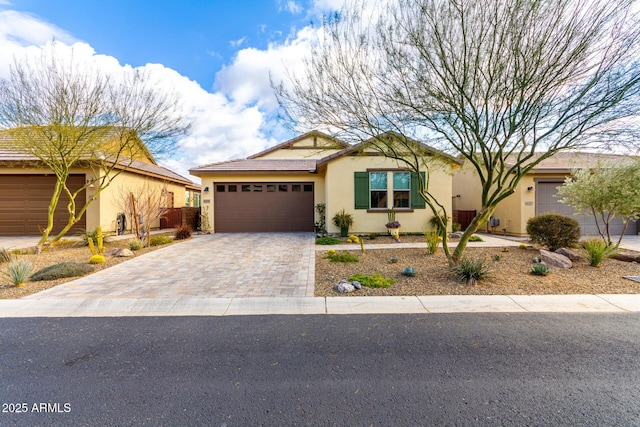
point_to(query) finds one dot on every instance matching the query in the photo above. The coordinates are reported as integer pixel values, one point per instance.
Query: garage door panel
(24, 203)
(263, 207)
(547, 201)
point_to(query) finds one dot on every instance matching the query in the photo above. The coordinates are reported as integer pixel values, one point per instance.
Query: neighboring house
(26, 187)
(278, 189)
(536, 194)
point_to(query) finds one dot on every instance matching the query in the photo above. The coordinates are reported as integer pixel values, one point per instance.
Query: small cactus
(540, 270)
(97, 259)
(409, 272)
(393, 260)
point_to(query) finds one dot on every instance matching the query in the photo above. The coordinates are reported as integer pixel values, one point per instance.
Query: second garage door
(24, 203)
(547, 201)
(263, 207)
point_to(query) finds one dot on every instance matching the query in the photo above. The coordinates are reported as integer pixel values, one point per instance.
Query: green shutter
(361, 190)
(417, 202)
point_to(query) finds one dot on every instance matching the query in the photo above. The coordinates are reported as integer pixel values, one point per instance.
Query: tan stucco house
(536, 194)
(278, 189)
(26, 187)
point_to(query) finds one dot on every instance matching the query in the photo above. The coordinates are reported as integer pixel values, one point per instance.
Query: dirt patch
(510, 275)
(54, 255)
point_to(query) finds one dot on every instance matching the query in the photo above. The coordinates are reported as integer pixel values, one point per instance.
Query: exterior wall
(513, 212)
(110, 199)
(207, 202)
(340, 189)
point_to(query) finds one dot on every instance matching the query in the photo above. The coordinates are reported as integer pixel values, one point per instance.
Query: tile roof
(257, 166)
(568, 160)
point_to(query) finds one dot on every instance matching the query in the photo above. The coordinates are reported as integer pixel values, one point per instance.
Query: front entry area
(263, 207)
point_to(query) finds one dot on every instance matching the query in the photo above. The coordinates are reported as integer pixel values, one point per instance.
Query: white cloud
(237, 43)
(233, 122)
(291, 7)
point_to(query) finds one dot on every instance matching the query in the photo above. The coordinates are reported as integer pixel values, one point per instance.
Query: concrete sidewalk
(191, 306)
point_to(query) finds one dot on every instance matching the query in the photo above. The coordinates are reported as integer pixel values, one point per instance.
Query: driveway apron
(216, 265)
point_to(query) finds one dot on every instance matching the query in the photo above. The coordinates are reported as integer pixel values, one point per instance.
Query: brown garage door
(263, 206)
(24, 202)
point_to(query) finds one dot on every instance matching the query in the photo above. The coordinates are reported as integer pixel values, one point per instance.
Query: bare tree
(481, 80)
(66, 114)
(143, 204)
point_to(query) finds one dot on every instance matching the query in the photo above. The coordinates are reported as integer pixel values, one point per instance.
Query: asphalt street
(358, 370)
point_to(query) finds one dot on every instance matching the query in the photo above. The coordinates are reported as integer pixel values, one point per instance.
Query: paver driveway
(214, 265)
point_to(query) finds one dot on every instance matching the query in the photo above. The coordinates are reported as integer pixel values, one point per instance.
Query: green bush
(94, 235)
(160, 240)
(471, 271)
(554, 231)
(540, 270)
(135, 244)
(18, 272)
(183, 232)
(373, 236)
(342, 257)
(328, 241)
(373, 281)
(433, 222)
(597, 250)
(5, 255)
(475, 238)
(64, 269)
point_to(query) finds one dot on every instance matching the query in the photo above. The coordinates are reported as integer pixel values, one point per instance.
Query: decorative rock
(455, 235)
(356, 284)
(573, 256)
(343, 287)
(124, 252)
(554, 260)
(627, 256)
(111, 252)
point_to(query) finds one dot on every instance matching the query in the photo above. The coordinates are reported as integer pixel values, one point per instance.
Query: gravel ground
(509, 276)
(55, 255)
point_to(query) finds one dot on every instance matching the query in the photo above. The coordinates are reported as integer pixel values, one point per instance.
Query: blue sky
(217, 54)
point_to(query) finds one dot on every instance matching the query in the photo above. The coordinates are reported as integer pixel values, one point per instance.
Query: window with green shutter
(417, 202)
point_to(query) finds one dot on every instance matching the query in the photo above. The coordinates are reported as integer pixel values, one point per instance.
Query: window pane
(308, 187)
(257, 188)
(401, 180)
(271, 188)
(295, 187)
(400, 199)
(378, 180)
(282, 187)
(233, 188)
(378, 199)
(220, 188)
(246, 188)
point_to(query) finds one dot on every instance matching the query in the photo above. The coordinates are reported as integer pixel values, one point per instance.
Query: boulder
(344, 286)
(554, 260)
(572, 255)
(356, 284)
(124, 252)
(627, 256)
(111, 252)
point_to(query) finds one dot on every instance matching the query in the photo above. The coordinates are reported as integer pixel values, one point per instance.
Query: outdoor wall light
(206, 189)
(529, 188)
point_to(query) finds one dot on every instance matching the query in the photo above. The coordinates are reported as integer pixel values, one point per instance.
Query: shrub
(328, 241)
(64, 269)
(342, 257)
(433, 222)
(97, 259)
(522, 246)
(471, 271)
(18, 272)
(93, 235)
(62, 243)
(455, 227)
(5, 255)
(475, 238)
(373, 236)
(373, 281)
(183, 232)
(497, 257)
(135, 244)
(433, 239)
(540, 270)
(505, 249)
(160, 240)
(393, 260)
(554, 231)
(597, 250)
